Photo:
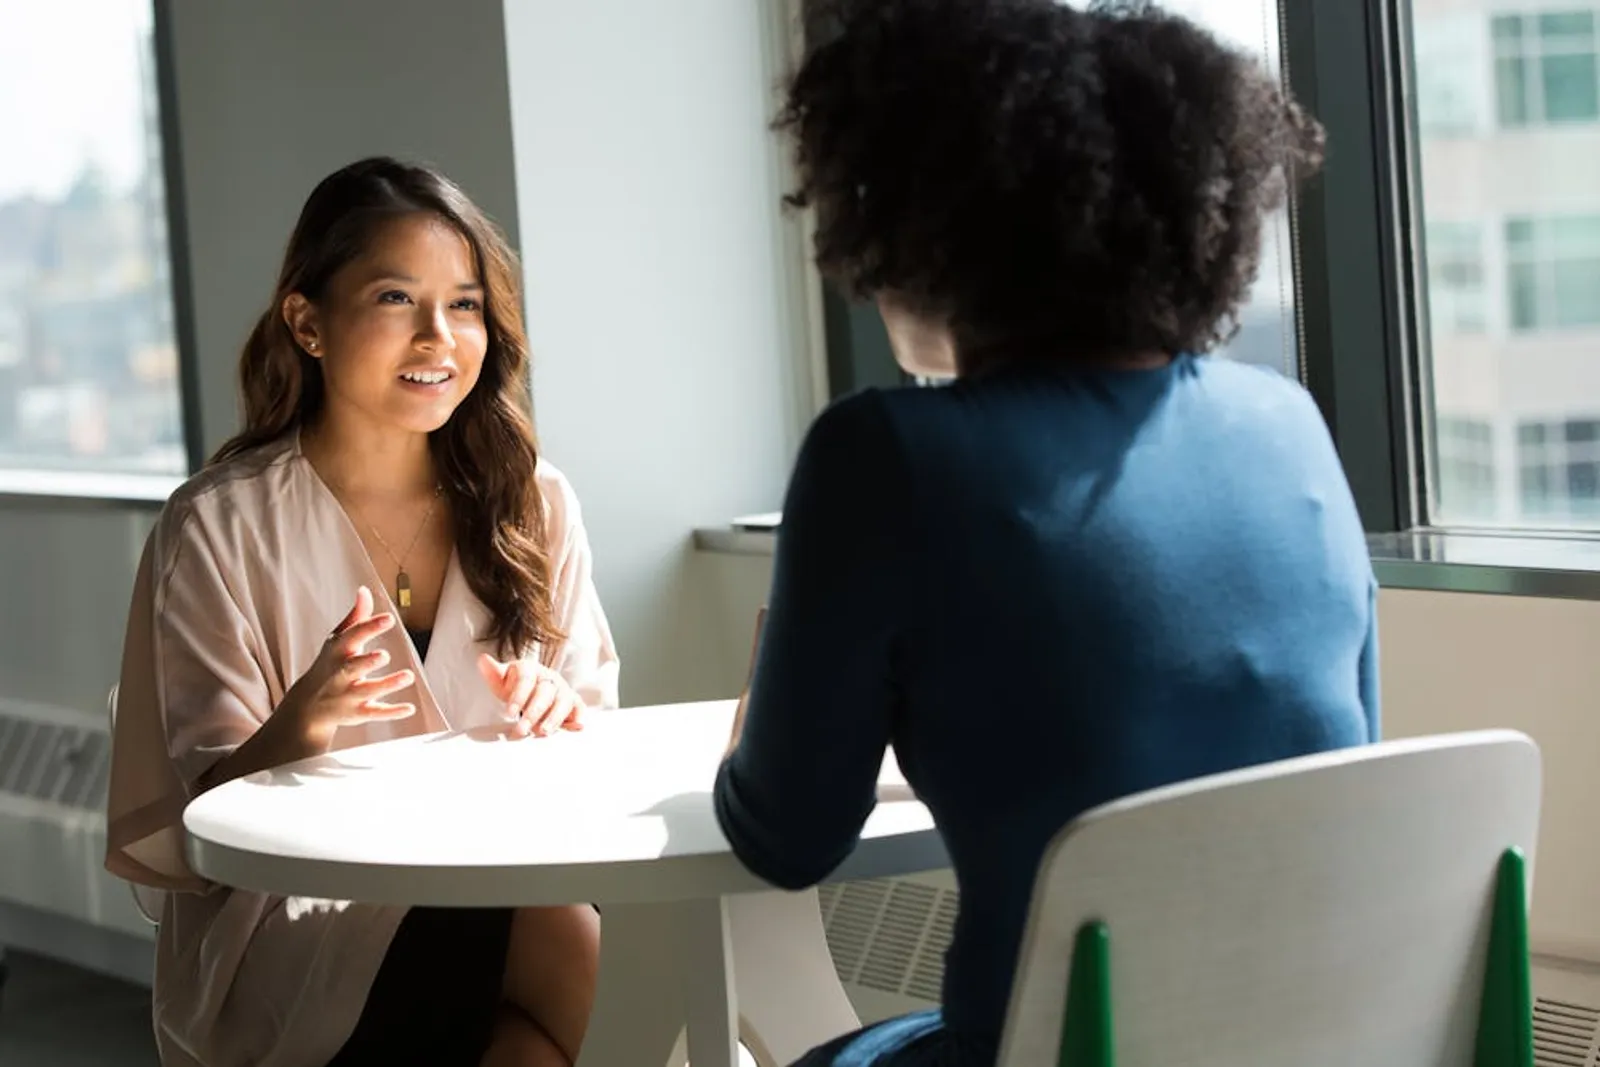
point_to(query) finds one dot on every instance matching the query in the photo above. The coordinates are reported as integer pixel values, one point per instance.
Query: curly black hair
(1071, 184)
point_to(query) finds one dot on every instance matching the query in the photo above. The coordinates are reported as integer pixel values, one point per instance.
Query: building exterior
(1508, 117)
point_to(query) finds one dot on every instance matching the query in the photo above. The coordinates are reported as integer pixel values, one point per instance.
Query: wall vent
(57, 762)
(889, 935)
(1566, 1034)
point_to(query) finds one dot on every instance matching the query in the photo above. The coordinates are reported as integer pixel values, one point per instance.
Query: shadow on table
(296, 775)
(490, 733)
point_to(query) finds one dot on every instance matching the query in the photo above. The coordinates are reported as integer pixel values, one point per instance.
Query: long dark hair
(485, 454)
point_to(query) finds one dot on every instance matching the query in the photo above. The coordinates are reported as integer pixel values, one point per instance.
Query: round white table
(617, 815)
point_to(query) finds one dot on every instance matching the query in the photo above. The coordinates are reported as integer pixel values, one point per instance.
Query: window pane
(1507, 30)
(1268, 334)
(1524, 285)
(1511, 90)
(1451, 95)
(1528, 365)
(1571, 91)
(88, 363)
(1565, 30)
(1576, 292)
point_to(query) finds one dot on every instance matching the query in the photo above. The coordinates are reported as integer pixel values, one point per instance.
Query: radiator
(54, 768)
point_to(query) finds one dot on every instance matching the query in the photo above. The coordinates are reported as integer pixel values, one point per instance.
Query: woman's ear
(300, 315)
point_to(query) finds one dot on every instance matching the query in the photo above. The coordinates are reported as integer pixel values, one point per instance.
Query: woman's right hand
(339, 689)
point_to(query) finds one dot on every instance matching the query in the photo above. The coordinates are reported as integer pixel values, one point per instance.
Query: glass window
(1268, 331)
(88, 361)
(1559, 471)
(1466, 466)
(1456, 293)
(1545, 68)
(1452, 94)
(1511, 262)
(1553, 272)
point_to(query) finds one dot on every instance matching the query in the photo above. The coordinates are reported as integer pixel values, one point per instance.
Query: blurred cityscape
(88, 359)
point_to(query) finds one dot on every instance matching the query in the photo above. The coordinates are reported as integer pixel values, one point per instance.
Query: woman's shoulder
(561, 508)
(1251, 384)
(247, 482)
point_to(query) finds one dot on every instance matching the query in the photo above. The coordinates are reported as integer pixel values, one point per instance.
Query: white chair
(1363, 907)
(147, 899)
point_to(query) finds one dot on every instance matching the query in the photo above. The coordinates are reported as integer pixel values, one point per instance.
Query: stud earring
(312, 345)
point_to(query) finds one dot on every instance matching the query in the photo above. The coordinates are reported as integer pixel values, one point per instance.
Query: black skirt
(437, 992)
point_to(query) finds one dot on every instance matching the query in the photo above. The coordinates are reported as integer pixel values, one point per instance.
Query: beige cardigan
(250, 566)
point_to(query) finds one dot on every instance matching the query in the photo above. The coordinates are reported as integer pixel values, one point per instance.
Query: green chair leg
(1086, 1039)
(1505, 1015)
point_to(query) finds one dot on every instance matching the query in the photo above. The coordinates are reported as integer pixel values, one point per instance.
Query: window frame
(22, 486)
(1343, 60)
(1360, 328)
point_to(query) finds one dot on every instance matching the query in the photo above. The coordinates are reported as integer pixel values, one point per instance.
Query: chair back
(1319, 912)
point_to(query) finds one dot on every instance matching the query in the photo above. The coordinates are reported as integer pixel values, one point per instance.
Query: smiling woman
(387, 460)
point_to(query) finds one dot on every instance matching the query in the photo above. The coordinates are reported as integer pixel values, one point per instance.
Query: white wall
(1464, 662)
(665, 296)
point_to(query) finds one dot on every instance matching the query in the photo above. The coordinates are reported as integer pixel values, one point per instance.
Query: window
(1452, 96)
(1456, 294)
(1466, 466)
(1553, 272)
(88, 360)
(1545, 68)
(1511, 266)
(1267, 334)
(1559, 471)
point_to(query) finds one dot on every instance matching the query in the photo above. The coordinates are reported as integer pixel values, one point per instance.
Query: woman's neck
(369, 463)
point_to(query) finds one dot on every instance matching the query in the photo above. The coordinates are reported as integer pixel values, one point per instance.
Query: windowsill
(1521, 564)
(1553, 566)
(28, 487)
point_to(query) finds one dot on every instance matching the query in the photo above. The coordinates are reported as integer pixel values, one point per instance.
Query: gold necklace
(402, 580)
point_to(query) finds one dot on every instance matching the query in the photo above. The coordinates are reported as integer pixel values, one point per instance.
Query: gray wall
(274, 96)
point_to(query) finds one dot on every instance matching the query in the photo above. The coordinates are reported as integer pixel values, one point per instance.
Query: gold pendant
(402, 589)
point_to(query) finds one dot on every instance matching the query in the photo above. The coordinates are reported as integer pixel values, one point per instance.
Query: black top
(420, 638)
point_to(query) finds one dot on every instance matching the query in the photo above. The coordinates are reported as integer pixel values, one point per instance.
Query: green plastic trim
(1505, 1015)
(1086, 1038)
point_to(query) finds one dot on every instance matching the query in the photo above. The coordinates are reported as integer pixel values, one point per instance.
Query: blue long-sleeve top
(1046, 588)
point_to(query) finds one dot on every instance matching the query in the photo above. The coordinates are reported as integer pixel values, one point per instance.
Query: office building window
(1452, 93)
(88, 360)
(1511, 252)
(1553, 271)
(1456, 293)
(1465, 466)
(1545, 68)
(1559, 471)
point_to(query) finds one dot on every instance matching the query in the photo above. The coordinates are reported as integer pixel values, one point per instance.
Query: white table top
(617, 813)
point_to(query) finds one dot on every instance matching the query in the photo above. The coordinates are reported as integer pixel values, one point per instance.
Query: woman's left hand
(537, 698)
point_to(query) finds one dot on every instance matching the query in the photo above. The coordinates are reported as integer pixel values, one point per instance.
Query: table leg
(753, 966)
(639, 1008)
(710, 999)
(789, 995)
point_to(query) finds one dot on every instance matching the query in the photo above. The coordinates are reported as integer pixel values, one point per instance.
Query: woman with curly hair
(1096, 563)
